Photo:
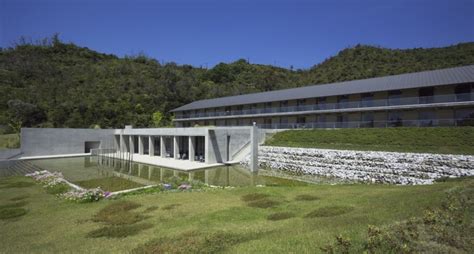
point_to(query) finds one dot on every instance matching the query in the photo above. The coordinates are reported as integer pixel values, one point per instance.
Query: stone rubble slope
(365, 166)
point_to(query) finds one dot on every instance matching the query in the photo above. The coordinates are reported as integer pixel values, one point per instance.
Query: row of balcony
(399, 101)
(372, 124)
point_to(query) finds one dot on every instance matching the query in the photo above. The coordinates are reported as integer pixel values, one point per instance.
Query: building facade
(442, 97)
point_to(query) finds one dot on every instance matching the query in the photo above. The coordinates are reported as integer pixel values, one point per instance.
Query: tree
(23, 114)
(157, 119)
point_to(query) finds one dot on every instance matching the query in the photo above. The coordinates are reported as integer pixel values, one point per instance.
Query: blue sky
(292, 32)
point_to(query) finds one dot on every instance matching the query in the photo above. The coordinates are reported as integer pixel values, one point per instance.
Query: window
(267, 122)
(301, 104)
(283, 106)
(427, 118)
(367, 100)
(463, 92)
(301, 121)
(367, 119)
(394, 97)
(464, 117)
(228, 111)
(394, 119)
(268, 107)
(342, 121)
(426, 95)
(321, 103)
(342, 101)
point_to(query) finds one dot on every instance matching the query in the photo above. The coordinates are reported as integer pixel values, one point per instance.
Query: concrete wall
(55, 141)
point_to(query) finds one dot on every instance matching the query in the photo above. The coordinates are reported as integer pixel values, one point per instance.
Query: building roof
(455, 75)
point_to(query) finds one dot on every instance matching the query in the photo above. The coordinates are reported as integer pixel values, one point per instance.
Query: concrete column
(191, 176)
(151, 146)
(131, 144)
(161, 174)
(191, 148)
(140, 167)
(140, 145)
(206, 176)
(175, 147)
(254, 148)
(122, 144)
(150, 172)
(175, 173)
(206, 148)
(162, 147)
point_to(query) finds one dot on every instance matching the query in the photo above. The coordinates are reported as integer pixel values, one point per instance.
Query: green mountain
(57, 84)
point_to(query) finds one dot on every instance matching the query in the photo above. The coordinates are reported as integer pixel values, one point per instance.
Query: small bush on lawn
(18, 198)
(306, 197)
(263, 203)
(280, 216)
(253, 197)
(194, 242)
(119, 231)
(8, 213)
(119, 213)
(329, 211)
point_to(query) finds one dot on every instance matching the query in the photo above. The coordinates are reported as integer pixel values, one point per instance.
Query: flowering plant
(50, 180)
(84, 195)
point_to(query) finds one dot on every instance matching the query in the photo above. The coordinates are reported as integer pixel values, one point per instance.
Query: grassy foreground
(9, 141)
(296, 219)
(446, 140)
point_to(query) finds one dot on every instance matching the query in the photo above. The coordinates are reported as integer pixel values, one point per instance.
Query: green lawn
(279, 219)
(455, 140)
(9, 141)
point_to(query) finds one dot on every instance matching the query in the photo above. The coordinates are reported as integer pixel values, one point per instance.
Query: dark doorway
(88, 145)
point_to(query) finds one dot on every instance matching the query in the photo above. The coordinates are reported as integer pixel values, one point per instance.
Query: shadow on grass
(18, 184)
(263, 203)
(329, 211)
(119, 231)
(170, 207)
(306, 197)
(151, 209)
(253, 197)
(119, 213)
(280, 216)
(20, 197)
(195, 242)
(14, 210)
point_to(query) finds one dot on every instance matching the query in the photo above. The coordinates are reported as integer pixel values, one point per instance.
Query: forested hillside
(57, 84)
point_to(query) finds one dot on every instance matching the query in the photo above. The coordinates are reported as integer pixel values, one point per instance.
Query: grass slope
(209, 221)
(455, 140)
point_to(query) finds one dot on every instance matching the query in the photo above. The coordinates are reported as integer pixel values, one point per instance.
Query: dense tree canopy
(77, 87)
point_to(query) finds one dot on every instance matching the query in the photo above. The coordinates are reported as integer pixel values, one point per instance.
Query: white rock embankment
(367, 166)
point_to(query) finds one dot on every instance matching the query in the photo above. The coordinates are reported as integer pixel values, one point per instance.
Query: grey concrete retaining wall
(56, 141)
(367, 166)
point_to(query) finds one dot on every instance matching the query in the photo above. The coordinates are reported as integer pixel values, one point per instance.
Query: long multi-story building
(442, 97)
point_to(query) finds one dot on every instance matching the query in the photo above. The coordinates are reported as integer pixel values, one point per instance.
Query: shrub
(280, 216)
(329, 211)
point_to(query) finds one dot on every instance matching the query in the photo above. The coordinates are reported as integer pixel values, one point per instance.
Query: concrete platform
(53, 156)
(184, 165)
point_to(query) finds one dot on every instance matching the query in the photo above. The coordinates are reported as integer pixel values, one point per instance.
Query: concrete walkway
(185, 165)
